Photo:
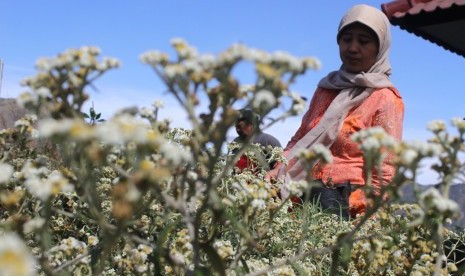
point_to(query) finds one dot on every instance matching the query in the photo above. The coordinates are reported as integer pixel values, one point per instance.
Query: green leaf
(92, 112)
(85, 115)
(202, 271)
(346, 252)
(98, 116)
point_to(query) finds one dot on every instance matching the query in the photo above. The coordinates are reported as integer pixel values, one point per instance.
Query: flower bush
(130, 195)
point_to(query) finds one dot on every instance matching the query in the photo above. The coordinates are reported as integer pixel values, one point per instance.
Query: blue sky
(429, 78)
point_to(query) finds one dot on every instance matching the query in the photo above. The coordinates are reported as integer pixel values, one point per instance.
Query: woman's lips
(352, 59)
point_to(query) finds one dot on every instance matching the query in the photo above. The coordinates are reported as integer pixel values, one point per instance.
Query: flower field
(129, 195)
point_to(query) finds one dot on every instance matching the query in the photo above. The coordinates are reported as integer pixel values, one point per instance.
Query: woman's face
(358, 48)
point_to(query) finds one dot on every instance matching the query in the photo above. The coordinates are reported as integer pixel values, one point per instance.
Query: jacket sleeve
(390, 116)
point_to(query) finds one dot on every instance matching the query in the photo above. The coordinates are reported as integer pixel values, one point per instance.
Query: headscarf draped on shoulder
(354, 88)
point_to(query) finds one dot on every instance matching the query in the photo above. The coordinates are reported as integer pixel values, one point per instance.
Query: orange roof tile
(439, 21)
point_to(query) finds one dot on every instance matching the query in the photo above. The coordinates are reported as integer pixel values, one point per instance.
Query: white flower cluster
(264, 99)
(199, 67)
(181, 249)
(294, 64)
(72, 127)
(298, 103)
(64, 71)
(154, 57)
(124, 128)
(183, 49)
(432, 199)
(174, 154)
(118, 130)
(84, 57)
(297, 188)
(410, 153)
(71, 246)
(374, 139)
(41, 93)
(67, 250)
(6, 171)
(316, 152)
(15, 257)
(239, 51)
(224, 248)
(147, 112)
(42, 183)
(138, 257)
(437, 126)
(33, 224)
(26, 124)
(173, 71)
(158, 104)
(459, 123)
(251, 190)
(92, 240)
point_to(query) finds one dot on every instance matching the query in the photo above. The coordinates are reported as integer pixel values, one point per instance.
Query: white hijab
(354, 88)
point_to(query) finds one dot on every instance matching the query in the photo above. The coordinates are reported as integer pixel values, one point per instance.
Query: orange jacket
(383, 108)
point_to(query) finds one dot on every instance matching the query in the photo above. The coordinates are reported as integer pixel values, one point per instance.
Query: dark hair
(249, 117)
(368, 28)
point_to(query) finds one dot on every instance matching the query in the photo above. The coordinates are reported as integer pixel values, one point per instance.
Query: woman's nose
(353, 46)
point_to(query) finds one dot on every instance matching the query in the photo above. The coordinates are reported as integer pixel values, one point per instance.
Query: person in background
(247, 127)
(358, 96)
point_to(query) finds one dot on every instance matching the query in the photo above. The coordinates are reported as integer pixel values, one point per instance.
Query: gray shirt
(264, 140)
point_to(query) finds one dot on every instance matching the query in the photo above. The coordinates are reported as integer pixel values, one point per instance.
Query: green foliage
(93, 116)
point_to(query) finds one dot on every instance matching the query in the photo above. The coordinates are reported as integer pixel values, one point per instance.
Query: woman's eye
(346, 39)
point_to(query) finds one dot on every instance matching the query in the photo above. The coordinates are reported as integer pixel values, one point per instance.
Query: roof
(439, 21)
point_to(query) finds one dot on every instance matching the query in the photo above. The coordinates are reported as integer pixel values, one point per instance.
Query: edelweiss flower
(174, 154)
(158, 104)
(459, 123)
(258, 204)
(437, 126)
(265, 98)
(147, 112)
(26, 98)
(408, 156)
(6, 171)
(174, 70)
(92, 240)
(50, 127)
(123, 129)
(207, 61)
(317, 151)
(44, 92)
(224, 249)
(426, 149)
(154, 58)
(312, 63)
(433, 199)
(43, 188)
(183, 49)
(15, 257)
(297, 187)
(257, 56)
(33, 224)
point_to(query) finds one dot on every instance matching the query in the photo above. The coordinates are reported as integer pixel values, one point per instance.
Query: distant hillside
(457, 193)
(10, 112)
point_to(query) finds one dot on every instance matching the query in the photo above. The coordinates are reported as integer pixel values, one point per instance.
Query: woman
(357, 96)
